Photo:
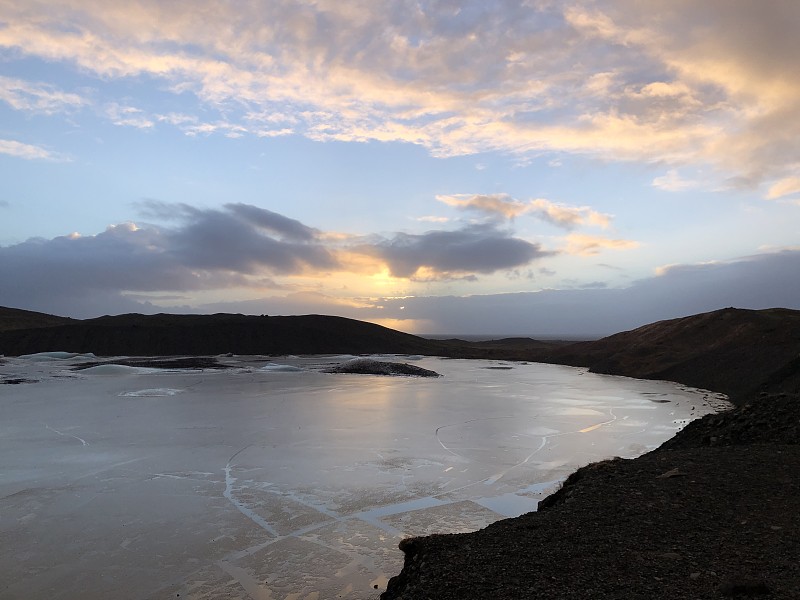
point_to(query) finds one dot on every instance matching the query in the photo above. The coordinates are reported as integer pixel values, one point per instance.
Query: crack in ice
(240, 506)
(81, 440)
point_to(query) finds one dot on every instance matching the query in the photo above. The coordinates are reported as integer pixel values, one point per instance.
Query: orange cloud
(505, 206)
(499, 84)
(588, 245)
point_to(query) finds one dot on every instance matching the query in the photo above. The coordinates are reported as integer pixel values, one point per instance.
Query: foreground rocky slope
(711, 514)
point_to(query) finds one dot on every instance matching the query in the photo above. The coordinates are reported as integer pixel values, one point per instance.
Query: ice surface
(44, 356)
(277, 367)
(112, 370)
(152, 393)
(261, 483)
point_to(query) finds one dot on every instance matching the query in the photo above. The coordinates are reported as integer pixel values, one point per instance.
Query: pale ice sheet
(275, 480)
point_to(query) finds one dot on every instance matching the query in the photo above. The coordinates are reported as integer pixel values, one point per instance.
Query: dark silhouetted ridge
(163, 334)
(15, 318)
(734, 351)
(168, 334)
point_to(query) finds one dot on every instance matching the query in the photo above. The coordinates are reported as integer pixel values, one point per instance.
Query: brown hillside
(734, 351)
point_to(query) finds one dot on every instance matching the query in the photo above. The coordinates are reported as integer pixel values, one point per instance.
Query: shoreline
(711, 513)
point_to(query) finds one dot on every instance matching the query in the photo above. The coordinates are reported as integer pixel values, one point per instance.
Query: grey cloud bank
(111, 264)
(238, 246)
(478, 248)
(755, 282)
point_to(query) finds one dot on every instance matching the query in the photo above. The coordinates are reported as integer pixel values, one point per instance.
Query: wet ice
(277, 480)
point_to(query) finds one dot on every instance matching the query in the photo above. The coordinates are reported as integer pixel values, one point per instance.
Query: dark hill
(15, 318)
(734, 351)
(168, 334)
(162, 334)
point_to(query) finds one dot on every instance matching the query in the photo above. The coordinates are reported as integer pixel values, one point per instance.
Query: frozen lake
(268, 483)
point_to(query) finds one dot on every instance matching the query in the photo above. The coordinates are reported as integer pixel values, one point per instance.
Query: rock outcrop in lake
(368, 366)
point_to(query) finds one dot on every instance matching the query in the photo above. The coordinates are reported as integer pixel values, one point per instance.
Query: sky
(512, 167)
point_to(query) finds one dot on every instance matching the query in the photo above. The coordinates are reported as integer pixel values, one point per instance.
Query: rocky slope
(737, 352)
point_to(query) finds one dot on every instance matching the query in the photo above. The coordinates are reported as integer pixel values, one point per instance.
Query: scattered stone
(671, 473)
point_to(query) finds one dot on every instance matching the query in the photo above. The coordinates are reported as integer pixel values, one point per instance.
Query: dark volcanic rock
(368, 366)
(767, 420)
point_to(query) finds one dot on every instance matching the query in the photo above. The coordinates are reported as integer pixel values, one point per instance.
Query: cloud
(588, 245)
(496, 205)
(568, 217)
(29, 151)
(207, 250)
(274, 223)
(199, 252)
(238, 238)
(755, 282)
(121, 268)
(448, 254)
(666, 81)
(785, 187)
(504, 206)
(673, 182)
(38, 97)
(128, 116)
(433, 219)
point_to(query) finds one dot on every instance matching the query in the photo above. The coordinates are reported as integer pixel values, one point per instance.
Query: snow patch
(112, 370)
(279, 368)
